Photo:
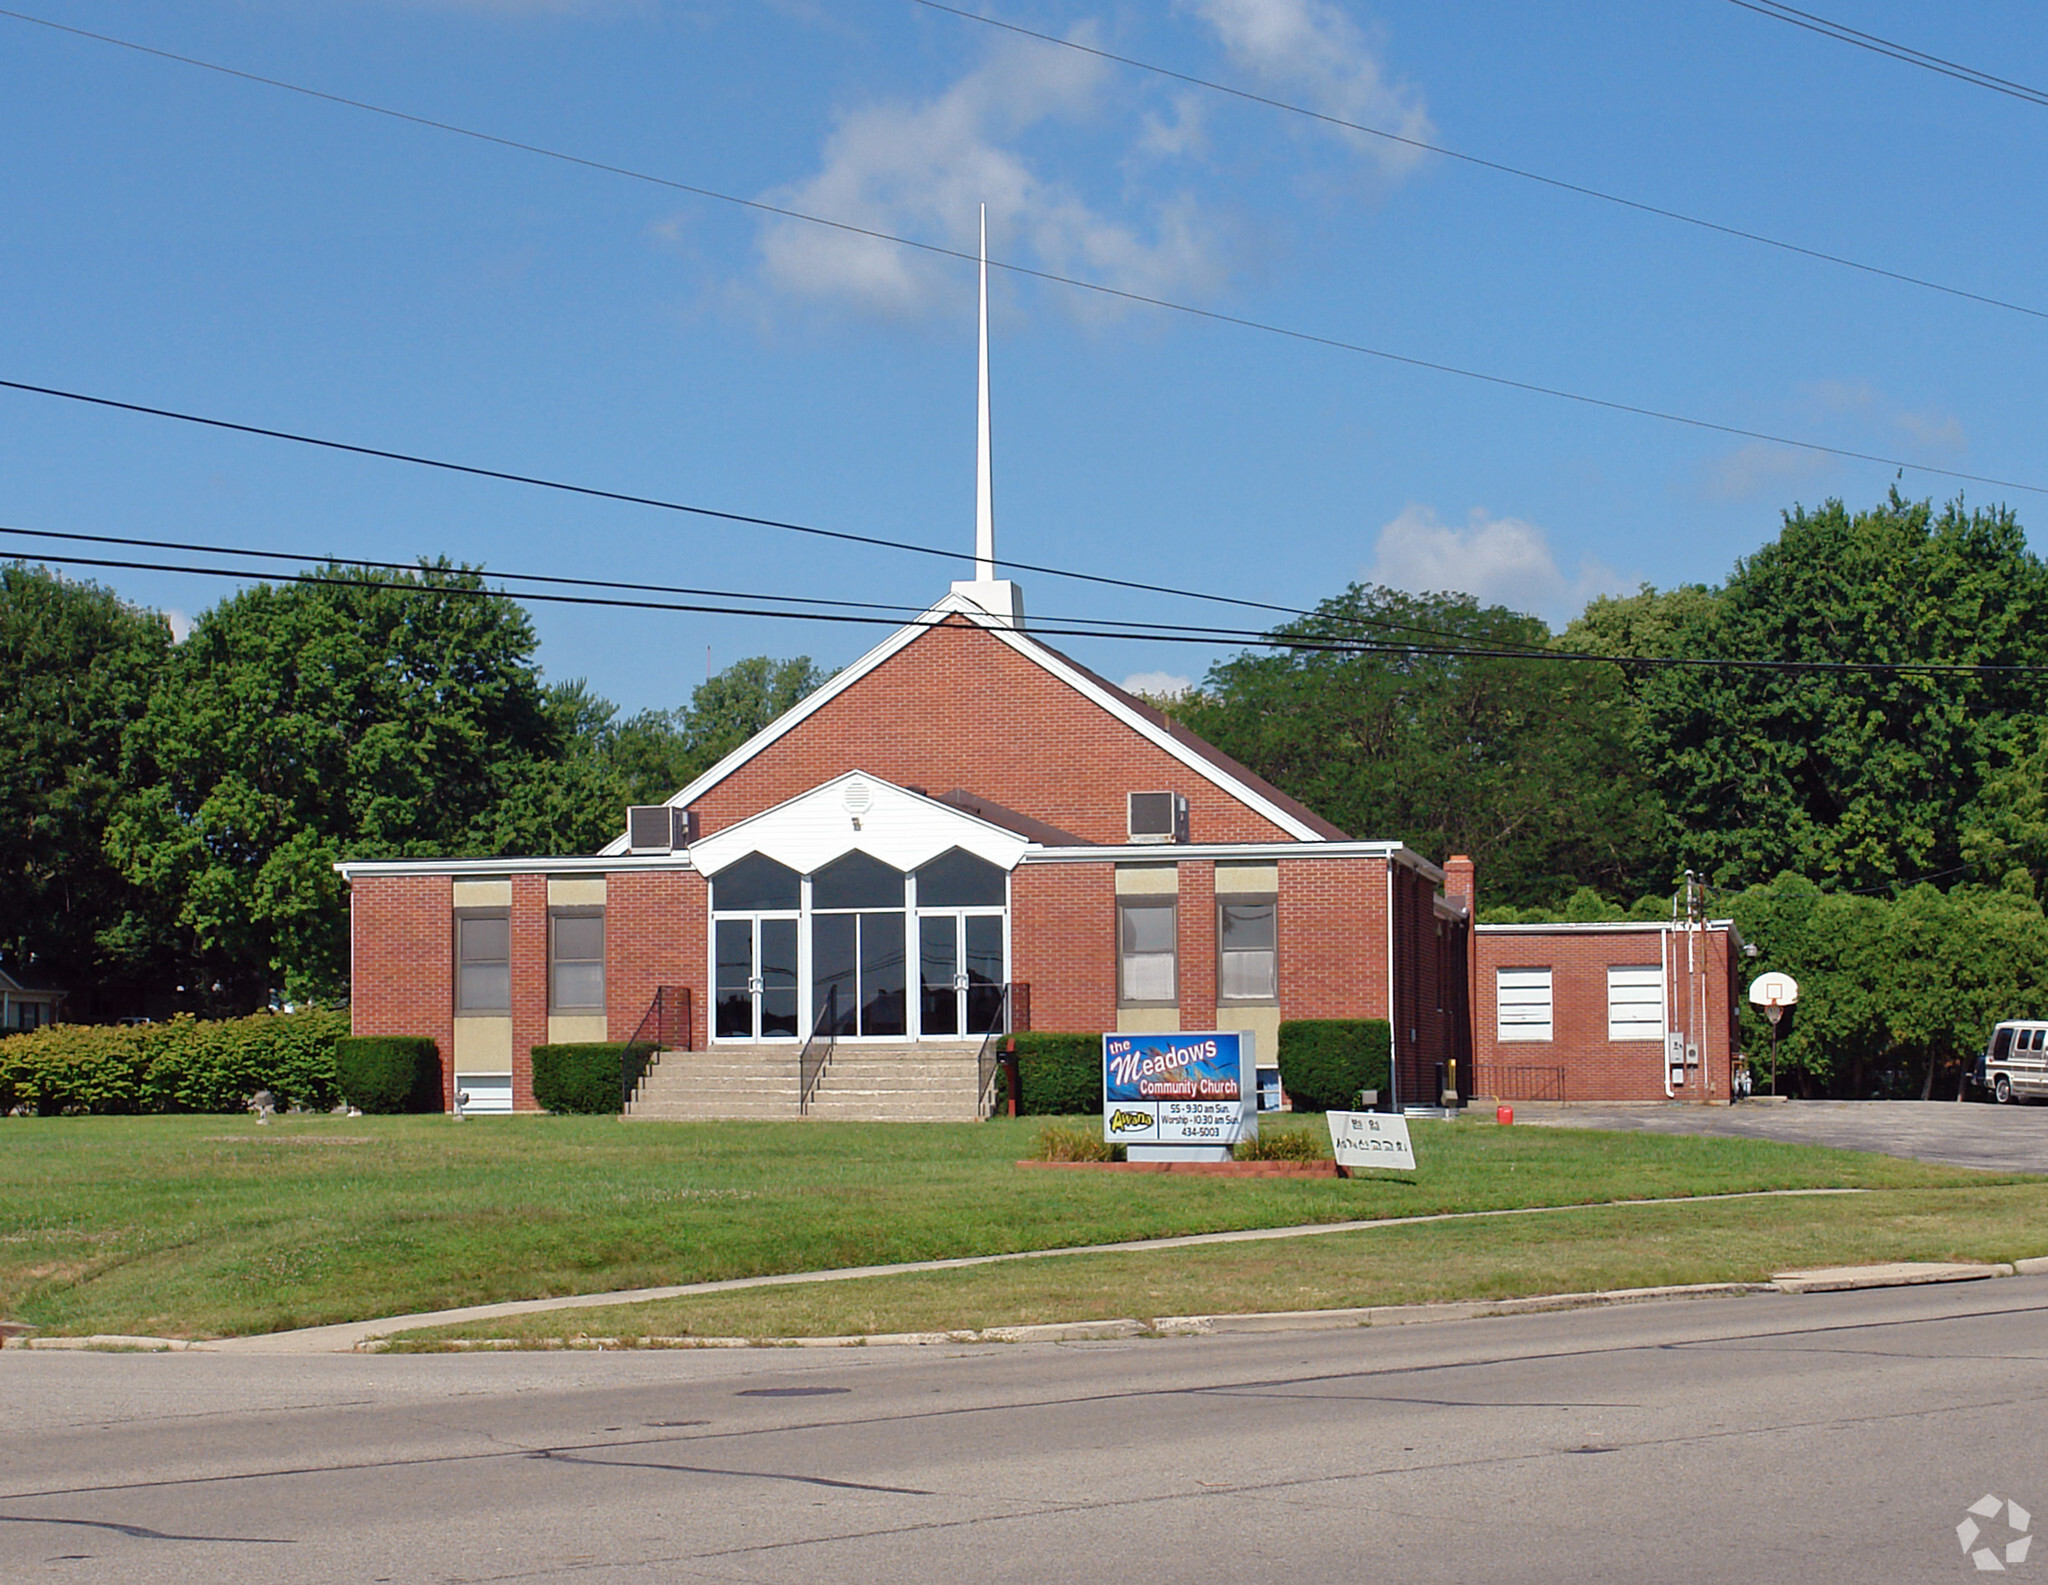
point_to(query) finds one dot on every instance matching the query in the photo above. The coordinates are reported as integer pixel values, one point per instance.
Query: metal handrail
(665, 1028)
(1013, 1016)
(810, 1062)
(1519, 1082)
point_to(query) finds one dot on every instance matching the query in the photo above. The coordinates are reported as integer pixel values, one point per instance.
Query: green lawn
(209, 1226)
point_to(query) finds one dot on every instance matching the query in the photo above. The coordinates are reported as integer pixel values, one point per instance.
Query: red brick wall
(1063, 944)
(529, 983)
(1196, 946)
(1595, 1068)
(402, 943)
(958, 708)
(1332, 919)
(654, 935)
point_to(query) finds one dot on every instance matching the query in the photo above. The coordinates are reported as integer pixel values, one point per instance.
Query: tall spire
(984, 487)
(999, 597)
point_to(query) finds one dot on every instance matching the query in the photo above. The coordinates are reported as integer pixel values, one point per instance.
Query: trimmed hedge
(1061, 1075)
(1325, 1062)
(182, 1066)
(581, 1076)
(389, 1073)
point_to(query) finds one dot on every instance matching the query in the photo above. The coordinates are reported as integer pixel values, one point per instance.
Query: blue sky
(178, 238)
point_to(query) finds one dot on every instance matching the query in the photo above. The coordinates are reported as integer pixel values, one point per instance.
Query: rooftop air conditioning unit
(659, 828)
(1158, 817)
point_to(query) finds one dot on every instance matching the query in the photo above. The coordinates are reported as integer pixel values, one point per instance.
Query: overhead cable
(1888, 47)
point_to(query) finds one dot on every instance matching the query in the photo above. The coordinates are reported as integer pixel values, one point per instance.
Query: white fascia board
(579, 864)
(1594, 927)
(1173, 852)
(1215, 775)
(812, 703)
(901, 828)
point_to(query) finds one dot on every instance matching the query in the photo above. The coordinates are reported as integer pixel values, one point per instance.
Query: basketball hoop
(1771, 994)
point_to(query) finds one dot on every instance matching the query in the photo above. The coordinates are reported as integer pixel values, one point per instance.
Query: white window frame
(1271, 954)
(1642, 1015)
(1170, 906)
(1524, 1006)
(556, 1003)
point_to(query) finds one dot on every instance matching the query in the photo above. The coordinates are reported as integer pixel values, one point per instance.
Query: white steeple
(997, 596)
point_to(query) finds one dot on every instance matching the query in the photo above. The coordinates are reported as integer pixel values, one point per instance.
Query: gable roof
(1206, 760)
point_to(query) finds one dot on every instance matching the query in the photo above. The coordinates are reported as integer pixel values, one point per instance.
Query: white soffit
(1038, 655)
(858, 811)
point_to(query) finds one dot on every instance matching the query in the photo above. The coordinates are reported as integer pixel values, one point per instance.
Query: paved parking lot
(1956, 1134)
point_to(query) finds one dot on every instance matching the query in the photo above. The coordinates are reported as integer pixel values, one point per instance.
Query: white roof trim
(580, 864)
(1598, 927)
(957, 603)
(1174, 852)
(901, 828)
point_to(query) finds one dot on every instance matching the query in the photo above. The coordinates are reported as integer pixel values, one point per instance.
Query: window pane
(960, 880)
(832, 972)
(1248, 974)
(485, 940)
(579, 937)
(756, 884)
(1149, 978)
(1247, 927)
(883, 973)
(857, 881)
(579, 984)
(484, 988)
(1148, 929)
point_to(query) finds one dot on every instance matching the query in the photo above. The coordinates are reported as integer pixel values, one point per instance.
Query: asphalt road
(1822, 1438)
(1957, 1134)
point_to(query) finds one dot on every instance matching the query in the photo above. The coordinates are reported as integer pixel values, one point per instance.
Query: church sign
(1179, 1097)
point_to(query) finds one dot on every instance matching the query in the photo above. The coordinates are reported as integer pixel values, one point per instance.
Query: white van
(2015, 1064)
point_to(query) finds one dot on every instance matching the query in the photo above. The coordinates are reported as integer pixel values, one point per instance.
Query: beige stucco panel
(1246, 880)
(483, 894)
(575, 891)
(1262, 1022)
(483, 1045)
(1148, 1020)
(1148, 880)
(570, 1028)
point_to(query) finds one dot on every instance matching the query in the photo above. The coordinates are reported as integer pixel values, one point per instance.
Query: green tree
(1521, 762)
(374, 715)
(76, 667)
(727, 709)
(1858, 779)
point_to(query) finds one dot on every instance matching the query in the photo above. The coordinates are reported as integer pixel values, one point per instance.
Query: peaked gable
(957, 700)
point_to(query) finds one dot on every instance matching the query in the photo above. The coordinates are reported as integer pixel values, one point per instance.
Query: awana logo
(1122, 1122)
(1990, 1558)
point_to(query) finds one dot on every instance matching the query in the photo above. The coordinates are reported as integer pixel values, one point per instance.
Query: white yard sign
(1371, 1139)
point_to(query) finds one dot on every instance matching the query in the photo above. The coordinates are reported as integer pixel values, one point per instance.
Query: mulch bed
(1207, 1169)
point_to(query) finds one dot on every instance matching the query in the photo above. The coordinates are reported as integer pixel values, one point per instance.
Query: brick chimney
(1461, 884)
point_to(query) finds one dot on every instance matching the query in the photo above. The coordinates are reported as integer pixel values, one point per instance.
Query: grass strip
(1573, 1250)
(213, 1226)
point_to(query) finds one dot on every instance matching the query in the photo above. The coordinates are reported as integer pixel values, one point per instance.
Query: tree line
(170, 813)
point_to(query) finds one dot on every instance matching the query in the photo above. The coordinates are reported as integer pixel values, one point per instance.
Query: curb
(1898, 1274)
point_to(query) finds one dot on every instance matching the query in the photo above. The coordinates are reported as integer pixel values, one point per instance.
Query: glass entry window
(859, 969)
(960, 904)
(755, 971)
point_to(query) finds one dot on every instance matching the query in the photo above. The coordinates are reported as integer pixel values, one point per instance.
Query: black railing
(1013, 1017)
(1519, 1083)
(817, 1051)
(665, 1028)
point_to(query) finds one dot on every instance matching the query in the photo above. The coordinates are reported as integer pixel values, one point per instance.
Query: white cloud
(1310, 49)
(1934, 429)
(1157, 684)
(1500, 560)
(922, 169)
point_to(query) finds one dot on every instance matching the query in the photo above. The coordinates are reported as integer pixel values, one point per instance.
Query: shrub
(389, 1073)
(185, 1065)
(1073, 1142)
(1282, 1144)
(1325, 1062)
(581, 1077)
(1061, 1075)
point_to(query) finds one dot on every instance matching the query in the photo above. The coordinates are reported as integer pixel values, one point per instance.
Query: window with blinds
(1522, 1004)
(1635, 1003)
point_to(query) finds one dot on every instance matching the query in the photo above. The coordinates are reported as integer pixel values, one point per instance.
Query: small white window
(1146, 940)
(576, 962)
(1635, 1003)
(1245, 943)
(483, 963)
(1522, 1004)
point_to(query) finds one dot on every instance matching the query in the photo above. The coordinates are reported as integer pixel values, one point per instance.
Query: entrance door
(960, 973)
(755, 985)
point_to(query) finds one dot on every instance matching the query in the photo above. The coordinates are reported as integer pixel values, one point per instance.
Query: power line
(1120, 294)
(1497, 166)
(1888, 47)
(1277, 641)
(661, 504)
